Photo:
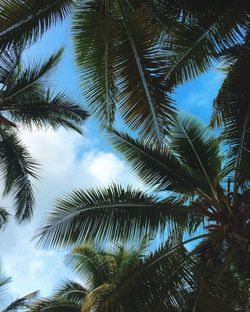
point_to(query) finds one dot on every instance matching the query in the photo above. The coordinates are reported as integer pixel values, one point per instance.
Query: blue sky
(70, 161)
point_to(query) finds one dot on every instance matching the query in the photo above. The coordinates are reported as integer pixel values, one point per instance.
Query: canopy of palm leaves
(131, 279)
(132, 54)
(198, 185)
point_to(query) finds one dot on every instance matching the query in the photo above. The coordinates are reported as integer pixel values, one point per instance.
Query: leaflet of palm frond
(45, 109)
(198, 38)
(54, 305)
(96, 33)
(21, 303)
(198, 149)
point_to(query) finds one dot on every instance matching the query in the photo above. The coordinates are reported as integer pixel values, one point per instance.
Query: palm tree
(199, 186)
(26, 100)
(130, 279)
(116, 280)
(132, 54)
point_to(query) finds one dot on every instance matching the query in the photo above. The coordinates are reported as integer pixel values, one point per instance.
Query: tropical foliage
(19, 303)
(133, 54)
(199, 188)
(25, 99)
(123, 278)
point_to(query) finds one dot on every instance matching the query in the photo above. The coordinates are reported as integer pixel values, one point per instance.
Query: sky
(70, 161)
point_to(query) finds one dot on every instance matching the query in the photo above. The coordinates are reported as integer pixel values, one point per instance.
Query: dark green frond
(21, 303)
(118, 52)
(17, 167)
(23, 22)
(54, 306)
(110, 213)
(42, 108)
(198, 149)
(28, 78)
(155, 166)
(232, 106)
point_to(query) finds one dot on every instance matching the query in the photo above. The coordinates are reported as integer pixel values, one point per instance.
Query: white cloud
(68, 161)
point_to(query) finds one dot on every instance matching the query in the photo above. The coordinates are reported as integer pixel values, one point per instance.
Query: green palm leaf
(116, 49)
(109, 213)
(23, 22)
(233, 109)
(71, 291)
(156, 166)
(28, 78)
(17, 166)
(43, 108)
(198, 149)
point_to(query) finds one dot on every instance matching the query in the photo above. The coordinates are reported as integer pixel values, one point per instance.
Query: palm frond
(116, 47)
(43, 108)
(110, 213)
(4, 217)
(54, 305)
(21, 303)
(198, 149)
(233, 108)
(156, 166)
(17, 166)
(23, 22)
(28, 78)
(71, 291)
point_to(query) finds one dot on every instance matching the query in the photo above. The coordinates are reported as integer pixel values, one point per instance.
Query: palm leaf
(198, 149)
(21, 303)
(4, 217)
(43, 108)
(54, 306)
(71, 291)
(109, 213)
(28, 78)
(17, 165)
(233, 108)
(23, 22)
(156, 166)
(116, 46)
